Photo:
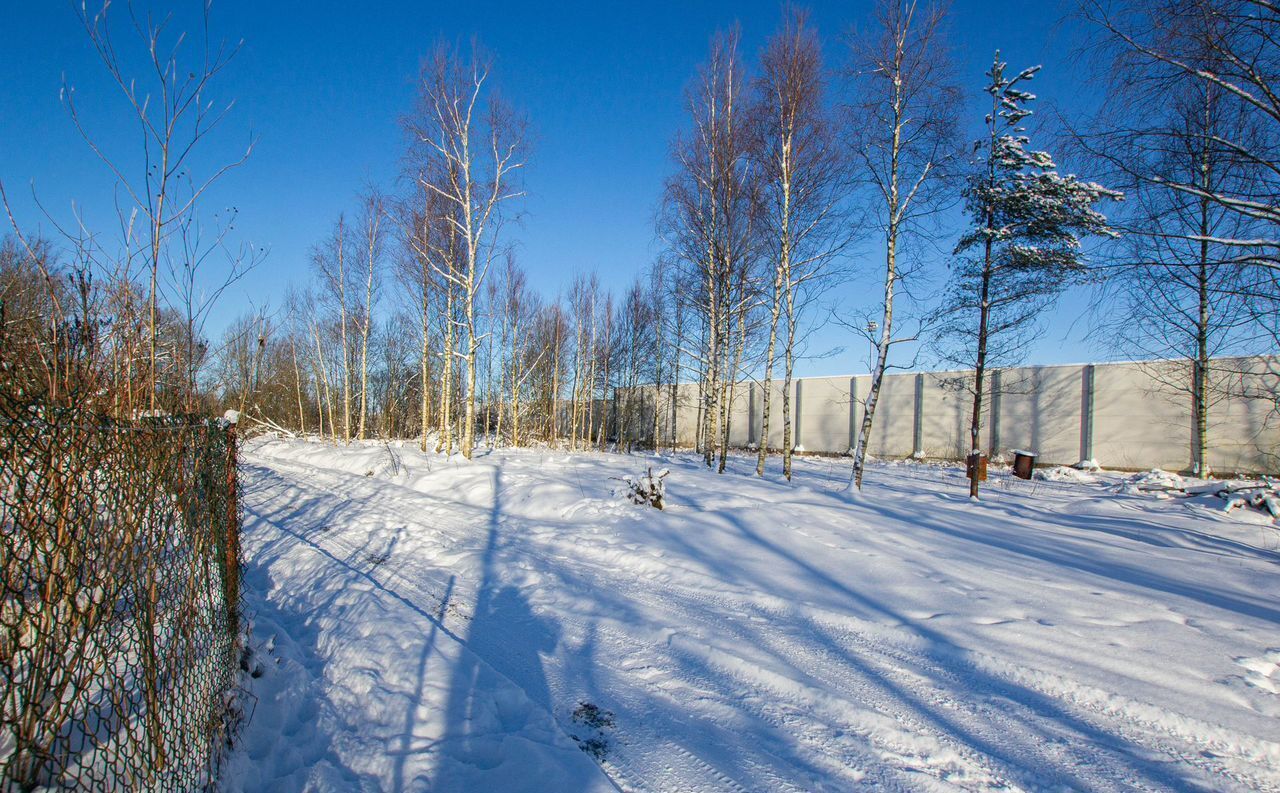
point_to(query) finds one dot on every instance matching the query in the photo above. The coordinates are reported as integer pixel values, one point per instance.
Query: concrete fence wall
(1124, 415)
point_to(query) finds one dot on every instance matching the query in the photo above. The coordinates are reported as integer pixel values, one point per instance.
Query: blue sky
(322, 85)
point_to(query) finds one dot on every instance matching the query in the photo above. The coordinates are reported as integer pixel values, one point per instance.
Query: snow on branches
(1023, 246)
(1032, 214)
(649, 488)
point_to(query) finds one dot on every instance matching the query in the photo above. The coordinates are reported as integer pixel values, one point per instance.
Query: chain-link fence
(118, 618)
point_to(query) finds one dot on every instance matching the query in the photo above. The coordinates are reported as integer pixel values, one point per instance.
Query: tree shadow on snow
(1052, 747)
(411, 713)
(1022, 756)
(504, 631)
(510, 638)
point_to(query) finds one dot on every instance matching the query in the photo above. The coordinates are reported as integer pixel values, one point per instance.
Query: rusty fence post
(232, 550)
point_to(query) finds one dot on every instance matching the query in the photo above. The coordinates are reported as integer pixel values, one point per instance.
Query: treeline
(418, 320)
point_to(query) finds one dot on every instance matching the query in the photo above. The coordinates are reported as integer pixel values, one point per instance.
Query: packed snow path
(435, 624)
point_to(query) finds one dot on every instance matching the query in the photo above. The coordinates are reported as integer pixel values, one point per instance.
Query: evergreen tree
(1023, 247)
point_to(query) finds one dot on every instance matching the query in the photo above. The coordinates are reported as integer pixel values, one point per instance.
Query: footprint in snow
(1258, 687)
(1263, 672)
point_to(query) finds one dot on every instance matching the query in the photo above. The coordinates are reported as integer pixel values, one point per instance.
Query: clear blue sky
(321, 85)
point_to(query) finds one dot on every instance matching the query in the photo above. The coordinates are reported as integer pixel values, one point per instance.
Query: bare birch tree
(1230, 45)
(903, 137)
(802, 185)
(479, 147)
(424, 237)
(332, 263)
(710, 222)
(1189, 129)
(372, 243)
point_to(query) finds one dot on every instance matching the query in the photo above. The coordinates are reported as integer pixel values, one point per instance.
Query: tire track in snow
(1145, 725)
(322, 533)
(1146, 733)
(733, 680)
(746, 675)
(894, 660)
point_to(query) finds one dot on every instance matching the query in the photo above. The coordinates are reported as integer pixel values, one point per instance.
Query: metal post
(917, 430)
(1196, 452)
(795, 442)
(1086, 413)
(751, 414)
(853, 413)
(995, 413)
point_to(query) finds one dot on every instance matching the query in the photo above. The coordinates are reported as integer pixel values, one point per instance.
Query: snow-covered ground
(424, 623)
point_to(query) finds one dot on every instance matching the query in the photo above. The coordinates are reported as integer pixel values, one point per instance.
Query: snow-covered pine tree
(1023, 247)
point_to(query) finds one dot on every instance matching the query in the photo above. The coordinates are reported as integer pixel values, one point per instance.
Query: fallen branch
(269, 424)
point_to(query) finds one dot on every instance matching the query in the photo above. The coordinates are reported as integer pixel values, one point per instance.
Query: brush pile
(1261, 494)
